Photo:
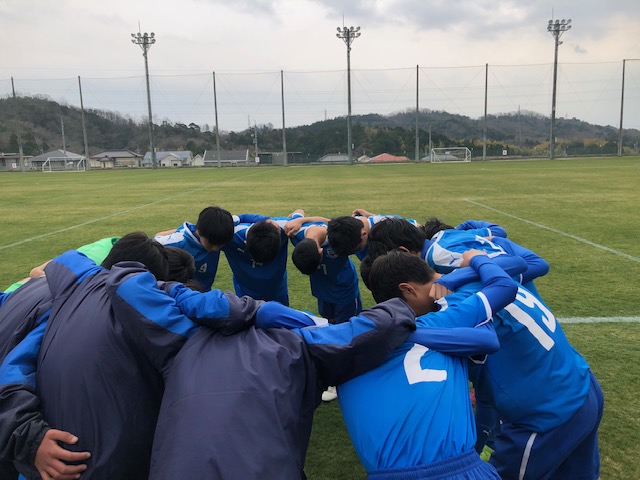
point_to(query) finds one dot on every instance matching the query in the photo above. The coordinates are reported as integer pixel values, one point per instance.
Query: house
(178, 158)
(11, 162)
(388, 158)
(115, 158)
(227, 158)
(55, 159)
(198, 161)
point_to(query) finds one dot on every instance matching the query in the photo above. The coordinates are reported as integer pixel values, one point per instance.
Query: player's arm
(493, 230)
(249, 218)
(165, 233)
(25, 437)
(536, 265)
(361, 212)
(461, 341)
(293, 226)
(514, 266)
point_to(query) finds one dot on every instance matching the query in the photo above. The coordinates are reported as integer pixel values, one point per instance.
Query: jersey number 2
(414, 371)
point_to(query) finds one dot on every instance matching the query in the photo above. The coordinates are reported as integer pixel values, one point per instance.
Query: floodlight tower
(556, 29)
(348, 35)
(145, 41)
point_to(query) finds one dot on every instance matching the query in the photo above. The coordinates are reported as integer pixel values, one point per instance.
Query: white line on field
(4, 247)
(599, 320)
(559, 232)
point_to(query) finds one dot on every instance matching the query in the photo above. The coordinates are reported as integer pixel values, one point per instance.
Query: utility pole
(145, 41)
(556, 29)
(20, 154)
(348, 35)
(215, 109)
(84, 128)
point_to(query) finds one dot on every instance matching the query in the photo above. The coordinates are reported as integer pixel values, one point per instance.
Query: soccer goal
(451, 154)
(64, 164)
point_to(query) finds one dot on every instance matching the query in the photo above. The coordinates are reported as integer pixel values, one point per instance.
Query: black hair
(306, 256)
(390, 270)
(365, 268)
(138, 247)
(215, 224)
(182, 266)
(392, 233)
(344, 234)
(263, 241)
(434, 225)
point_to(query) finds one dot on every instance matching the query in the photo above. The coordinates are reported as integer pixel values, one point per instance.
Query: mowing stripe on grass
(96, 220)
(599, 320)
(559, 232)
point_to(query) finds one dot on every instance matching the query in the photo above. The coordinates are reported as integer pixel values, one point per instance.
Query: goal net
(64, 164)
(451, 154)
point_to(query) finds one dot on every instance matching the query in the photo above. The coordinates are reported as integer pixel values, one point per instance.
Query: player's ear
(407, 290)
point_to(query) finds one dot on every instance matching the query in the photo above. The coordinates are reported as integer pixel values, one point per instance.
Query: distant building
(11, 162)
(334, 158)
(198, 161)
(180, 158)
(115, 158)
(227, 157)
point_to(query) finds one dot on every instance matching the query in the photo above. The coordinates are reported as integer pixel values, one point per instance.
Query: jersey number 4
(523, 310)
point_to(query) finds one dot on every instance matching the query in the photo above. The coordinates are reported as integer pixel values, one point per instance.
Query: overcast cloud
(63, 39)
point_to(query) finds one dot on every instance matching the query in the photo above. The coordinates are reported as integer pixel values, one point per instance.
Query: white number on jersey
(203, 268)
(521, 309)
(414, 371)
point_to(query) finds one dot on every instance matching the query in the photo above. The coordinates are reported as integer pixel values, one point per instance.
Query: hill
(41, 122)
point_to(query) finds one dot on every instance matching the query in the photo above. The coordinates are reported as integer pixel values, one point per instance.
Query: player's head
(138, 247)
(263, 241)
(392, 233)
(346, 235)
(194, 285)
(365, 268)
(399, 274)
(307, 256)
(215, 228)
(182, 266)
(434, 225)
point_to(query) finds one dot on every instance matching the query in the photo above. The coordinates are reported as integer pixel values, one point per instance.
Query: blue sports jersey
(336, 279)
(415, 408)
(262, 281)
(445, 249)
(185, 237)
(535, 362)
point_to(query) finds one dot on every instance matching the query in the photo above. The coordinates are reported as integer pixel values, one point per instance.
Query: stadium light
(145, 41)
(348, 35)
(556, 29)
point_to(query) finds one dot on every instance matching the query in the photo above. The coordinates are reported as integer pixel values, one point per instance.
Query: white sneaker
(329, 394)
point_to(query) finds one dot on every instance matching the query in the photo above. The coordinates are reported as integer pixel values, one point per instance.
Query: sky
(438, 47)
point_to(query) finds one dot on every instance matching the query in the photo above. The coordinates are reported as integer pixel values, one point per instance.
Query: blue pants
(339, 312)
(466, 466)
(569, 451)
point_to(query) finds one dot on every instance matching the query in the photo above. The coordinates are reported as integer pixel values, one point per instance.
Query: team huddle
(121, 360)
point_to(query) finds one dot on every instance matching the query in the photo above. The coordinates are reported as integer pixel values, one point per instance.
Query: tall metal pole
(145, 41)
(84, 128)
(18, 135)
(348, 35)
(484, 126)
(556, 29)
(417, 111)
(621, 111)
(215, 108)
(284, 136)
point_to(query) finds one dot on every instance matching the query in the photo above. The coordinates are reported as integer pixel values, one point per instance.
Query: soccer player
(333, 278)
(427, 429)
(204, 240)
(349, 234)
(241, 406)
(258, 254)
(548, 400)
(92, 378)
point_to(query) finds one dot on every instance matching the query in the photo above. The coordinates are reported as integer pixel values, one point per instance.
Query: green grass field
(579, 214)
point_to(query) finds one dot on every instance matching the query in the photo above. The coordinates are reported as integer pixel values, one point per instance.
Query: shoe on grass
(329, 394)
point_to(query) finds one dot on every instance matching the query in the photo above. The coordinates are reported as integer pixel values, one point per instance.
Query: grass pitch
(580, 214)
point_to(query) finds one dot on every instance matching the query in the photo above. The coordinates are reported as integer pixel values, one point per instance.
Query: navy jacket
(241, 406)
